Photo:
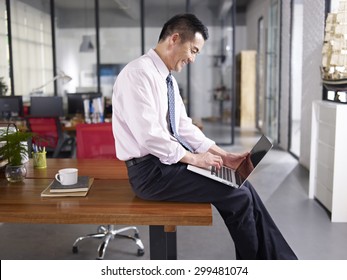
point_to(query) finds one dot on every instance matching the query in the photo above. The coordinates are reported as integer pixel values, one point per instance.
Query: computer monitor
(46, 106)
(110, 70)
(75, 101)
(11, 106)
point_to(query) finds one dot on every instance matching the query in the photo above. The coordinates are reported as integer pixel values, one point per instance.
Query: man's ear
(175, 38)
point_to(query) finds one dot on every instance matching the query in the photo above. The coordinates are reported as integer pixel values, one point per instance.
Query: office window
(4, 53)
(32, 46)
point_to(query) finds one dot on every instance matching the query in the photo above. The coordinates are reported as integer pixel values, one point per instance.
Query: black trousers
(251, 227)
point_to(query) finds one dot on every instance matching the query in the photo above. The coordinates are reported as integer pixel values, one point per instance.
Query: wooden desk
(110, 201)
(96, 168)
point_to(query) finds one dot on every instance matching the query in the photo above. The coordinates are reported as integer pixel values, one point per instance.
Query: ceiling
(156, 4)
(126, 12)
(80, 13)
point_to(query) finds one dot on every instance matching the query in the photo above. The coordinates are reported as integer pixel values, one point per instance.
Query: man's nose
(191, 59)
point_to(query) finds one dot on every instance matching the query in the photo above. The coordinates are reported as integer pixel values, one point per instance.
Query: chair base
(108, 233)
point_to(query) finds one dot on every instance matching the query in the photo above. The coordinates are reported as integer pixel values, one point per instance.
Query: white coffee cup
(67, 176)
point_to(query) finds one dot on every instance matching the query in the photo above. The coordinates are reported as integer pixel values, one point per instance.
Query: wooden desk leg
(163, 245)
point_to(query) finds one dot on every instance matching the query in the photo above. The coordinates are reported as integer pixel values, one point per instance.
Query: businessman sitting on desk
(157, 139)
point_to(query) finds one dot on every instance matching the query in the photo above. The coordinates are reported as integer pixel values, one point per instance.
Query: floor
(282, 184)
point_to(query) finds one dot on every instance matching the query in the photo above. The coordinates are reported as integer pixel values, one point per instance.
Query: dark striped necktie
(171, 98)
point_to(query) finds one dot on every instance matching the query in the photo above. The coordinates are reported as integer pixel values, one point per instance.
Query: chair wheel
(140, 252)
(75, 249)
(136, 235)
(101, 229)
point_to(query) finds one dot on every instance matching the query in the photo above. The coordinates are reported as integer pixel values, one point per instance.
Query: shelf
(328, 152)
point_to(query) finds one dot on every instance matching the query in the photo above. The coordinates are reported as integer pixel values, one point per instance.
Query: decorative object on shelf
(13, 150)
(334, 55)
(3, 86)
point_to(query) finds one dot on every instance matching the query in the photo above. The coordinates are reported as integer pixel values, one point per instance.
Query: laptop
(236, 178)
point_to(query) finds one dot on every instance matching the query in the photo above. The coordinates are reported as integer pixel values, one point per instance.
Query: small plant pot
(16, 173)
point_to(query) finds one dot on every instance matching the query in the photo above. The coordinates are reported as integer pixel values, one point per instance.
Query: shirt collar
(159, 64)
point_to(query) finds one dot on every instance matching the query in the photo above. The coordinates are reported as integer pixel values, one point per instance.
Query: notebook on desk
(236, 178)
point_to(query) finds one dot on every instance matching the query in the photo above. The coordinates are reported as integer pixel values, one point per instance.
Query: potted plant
(13, 148)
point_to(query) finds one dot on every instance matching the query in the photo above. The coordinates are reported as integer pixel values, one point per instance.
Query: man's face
(184, 53)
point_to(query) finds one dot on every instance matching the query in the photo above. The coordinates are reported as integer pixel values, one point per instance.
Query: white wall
(311, 80)
(334, 4)
(296, 62)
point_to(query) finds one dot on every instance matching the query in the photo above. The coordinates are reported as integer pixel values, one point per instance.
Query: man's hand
(245, 167)
(234, 160)
(204, 160)
(207, 160)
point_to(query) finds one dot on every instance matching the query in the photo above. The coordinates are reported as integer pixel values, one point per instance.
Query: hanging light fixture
(86, 45)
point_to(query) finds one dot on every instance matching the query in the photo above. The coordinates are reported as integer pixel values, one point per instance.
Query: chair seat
(48, 133)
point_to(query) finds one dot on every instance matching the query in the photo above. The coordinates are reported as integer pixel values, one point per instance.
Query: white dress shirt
(140, 108)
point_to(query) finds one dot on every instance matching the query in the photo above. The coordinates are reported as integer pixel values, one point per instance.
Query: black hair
(184, 24)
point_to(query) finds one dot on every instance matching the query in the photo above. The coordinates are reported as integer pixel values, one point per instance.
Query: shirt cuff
(175, 156)
(205, 146)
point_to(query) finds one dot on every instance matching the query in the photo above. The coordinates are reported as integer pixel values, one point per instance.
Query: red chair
(96, 141)
(48, 133)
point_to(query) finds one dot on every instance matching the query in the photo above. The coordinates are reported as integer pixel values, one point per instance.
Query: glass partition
(206, 85)
(211, 80)
(120, 39)
(272, 74)
(75, 37)
(92, 41)
(261, 83)
(156, 14)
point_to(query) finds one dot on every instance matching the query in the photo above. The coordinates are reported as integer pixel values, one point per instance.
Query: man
(157, 142)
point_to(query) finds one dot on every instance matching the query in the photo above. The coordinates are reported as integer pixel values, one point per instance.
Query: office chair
(49, 134)
(96, 141)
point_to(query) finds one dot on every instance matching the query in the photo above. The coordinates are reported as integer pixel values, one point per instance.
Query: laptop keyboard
(224, 172)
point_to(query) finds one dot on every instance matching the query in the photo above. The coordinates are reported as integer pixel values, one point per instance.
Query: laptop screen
(255, 156)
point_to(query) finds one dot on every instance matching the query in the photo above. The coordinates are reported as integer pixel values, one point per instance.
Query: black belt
(135, 161)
